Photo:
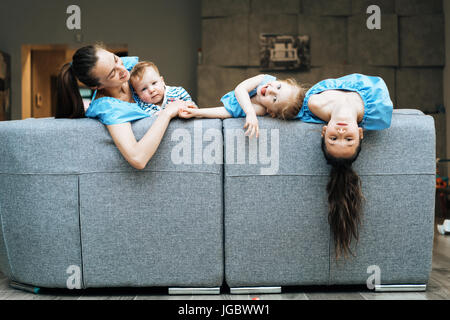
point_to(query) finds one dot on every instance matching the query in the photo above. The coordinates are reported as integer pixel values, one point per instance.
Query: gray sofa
(210, 208)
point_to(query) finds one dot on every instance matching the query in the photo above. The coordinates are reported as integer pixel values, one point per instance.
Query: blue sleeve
(378, 106)
(232, 105)
(111, 111)
(129, 62)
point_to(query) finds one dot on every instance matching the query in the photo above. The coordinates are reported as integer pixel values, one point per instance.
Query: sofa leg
(194, 291)
(400, 287)
(255, 290)
(24, 287)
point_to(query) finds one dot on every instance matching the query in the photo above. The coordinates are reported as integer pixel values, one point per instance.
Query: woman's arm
(138, 153)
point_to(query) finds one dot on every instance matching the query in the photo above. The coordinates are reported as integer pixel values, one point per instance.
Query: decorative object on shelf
(5, 86)
(284, 52)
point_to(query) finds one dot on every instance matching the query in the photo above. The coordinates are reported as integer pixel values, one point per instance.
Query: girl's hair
(290, 110)
(345, 200)
(69, 101)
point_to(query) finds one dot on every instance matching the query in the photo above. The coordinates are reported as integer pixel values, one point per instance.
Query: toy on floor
(442, 183)
(444, 228)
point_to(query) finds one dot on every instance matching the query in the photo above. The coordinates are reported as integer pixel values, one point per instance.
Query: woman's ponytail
(345, 199)
(70, 103)
(68, 97)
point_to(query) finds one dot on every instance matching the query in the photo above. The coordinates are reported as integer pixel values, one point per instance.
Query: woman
(348, 105)
(113, 103)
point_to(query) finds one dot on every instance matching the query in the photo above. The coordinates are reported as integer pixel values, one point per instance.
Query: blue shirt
(109, 110)
(171, 94)
(378, 106)
(232, 105)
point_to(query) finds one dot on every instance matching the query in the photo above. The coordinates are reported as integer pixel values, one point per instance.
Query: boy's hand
(251, 124)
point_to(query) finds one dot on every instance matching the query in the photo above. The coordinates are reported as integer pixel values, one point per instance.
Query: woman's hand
(251, 124)
(173, 108)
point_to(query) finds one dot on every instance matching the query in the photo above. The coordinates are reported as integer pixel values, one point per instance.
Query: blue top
(109, 110)
(378, 106)
(170, 94)
(232, 105)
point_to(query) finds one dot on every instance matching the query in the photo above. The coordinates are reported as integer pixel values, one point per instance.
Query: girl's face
(342, 138)
(151, 88)
(274, 95)
(109, 70)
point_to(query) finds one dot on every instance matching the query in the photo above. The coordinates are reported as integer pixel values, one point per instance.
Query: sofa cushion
(72, 146)
(276, 228)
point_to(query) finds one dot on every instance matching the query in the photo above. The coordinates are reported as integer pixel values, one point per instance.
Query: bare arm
(242, 96)
(218, 112)
(260, 110)
(138, 153)
(242, 90)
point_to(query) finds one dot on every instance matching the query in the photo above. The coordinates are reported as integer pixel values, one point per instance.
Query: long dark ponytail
(69, 101)
(345, 201)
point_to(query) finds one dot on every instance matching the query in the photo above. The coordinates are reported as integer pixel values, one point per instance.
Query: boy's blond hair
(139, 69)
(292, 108)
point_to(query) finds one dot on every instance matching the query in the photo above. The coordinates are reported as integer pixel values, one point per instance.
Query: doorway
(45, 65)
(40, 68)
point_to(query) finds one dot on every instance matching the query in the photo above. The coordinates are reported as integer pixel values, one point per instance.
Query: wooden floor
(438, 288)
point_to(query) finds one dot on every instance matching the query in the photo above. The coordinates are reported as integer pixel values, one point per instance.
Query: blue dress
(378, 106)
(232, 105)
(109, 110)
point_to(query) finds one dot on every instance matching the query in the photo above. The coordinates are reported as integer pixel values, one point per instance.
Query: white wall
(164, 31)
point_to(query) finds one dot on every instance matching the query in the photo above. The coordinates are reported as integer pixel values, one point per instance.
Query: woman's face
(109, 70)
(342, 138)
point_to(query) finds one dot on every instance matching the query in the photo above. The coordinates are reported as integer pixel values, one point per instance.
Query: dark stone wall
(408, 52)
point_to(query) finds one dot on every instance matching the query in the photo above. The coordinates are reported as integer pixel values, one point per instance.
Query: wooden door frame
(26, 73)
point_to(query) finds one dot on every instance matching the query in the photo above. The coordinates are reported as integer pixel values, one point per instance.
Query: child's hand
(188, 112)
(251, 124)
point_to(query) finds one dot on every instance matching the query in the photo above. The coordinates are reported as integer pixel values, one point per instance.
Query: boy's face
(274, 95)
(151, 87)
